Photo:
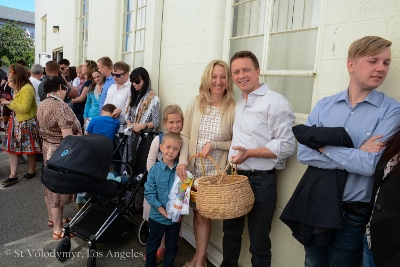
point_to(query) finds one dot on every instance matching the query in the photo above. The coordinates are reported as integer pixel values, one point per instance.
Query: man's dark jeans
(259, 225)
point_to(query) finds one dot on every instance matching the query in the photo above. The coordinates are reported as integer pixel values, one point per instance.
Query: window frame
(83, 31)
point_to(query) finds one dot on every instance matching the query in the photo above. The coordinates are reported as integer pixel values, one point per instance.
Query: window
(83, 24)
(283, 35)
(44, 33)
(133, 36)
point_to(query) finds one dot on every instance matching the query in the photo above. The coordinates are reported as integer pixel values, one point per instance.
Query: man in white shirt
(262, 140)
(36, 76)
(119, 95)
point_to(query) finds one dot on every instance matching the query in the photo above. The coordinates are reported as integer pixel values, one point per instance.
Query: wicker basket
(223, 196)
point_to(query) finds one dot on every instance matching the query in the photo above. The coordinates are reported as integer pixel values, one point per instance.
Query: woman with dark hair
(57, 121)
(93, 97)
(79, 102)
(22, 133)
(144, 109)
(382, 243)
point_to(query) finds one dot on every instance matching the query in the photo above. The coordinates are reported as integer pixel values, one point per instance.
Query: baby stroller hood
(88, 155)
(81, 164)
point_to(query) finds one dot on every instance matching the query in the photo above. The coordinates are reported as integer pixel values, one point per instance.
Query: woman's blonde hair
(204, 89)
(171, 109)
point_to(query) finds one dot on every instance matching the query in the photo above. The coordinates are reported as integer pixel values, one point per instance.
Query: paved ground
(26, 240)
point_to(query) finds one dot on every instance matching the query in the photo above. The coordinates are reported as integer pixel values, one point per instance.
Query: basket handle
(233, 172)
(198, 155)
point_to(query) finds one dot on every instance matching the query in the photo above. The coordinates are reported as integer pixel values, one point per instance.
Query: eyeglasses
(64, 88)
(136, 81)
(117, 74)
(62, 68)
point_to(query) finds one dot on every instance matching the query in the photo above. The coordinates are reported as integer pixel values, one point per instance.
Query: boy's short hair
(172, 136)
(367, 46)
(109, 108)
(171, 109)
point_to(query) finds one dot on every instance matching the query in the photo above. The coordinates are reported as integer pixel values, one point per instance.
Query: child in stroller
(173, 122)
(103, 218)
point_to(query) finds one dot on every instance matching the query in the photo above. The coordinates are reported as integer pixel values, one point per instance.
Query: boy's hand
(181, 171)
(116, 113)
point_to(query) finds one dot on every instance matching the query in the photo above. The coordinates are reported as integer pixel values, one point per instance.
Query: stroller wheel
(91, 262)
(63, 249)
(143, 233)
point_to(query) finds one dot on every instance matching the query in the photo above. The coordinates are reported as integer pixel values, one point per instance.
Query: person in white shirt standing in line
(262, 140)
(36, 76)
(119, 95)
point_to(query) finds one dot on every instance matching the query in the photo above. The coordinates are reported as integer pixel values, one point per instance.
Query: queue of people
(253, 133)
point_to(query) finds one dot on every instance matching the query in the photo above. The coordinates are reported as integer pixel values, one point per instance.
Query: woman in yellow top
(22, 133)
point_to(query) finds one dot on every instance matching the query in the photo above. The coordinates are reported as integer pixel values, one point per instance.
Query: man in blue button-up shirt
(370, 118)
(159, 183)
(105, 66)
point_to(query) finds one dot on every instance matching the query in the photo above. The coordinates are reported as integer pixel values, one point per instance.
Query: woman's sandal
(50, 223)
(61, 235)
(58, 236)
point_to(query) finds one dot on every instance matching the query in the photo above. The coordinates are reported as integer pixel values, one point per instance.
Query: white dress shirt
(120, 98)
(35, 82)
(266, 120)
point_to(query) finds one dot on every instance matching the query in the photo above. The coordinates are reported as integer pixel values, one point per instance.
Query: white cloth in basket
(179, 198)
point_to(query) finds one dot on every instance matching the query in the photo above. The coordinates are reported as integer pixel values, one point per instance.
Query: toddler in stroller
(102, 219)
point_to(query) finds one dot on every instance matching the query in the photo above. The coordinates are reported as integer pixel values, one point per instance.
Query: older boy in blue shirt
(159, 183)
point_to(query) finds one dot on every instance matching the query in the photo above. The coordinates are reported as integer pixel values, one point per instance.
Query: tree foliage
(15, 45)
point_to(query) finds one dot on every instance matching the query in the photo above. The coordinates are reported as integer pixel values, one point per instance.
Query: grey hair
(37, 69)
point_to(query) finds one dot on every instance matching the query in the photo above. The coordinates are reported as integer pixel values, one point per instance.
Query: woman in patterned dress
(57, 120)
(207, 131)
(22, 133)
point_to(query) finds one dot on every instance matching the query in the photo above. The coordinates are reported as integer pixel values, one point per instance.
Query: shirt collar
(260, 91)
(372, 97)
(164, 166)
(111, 78)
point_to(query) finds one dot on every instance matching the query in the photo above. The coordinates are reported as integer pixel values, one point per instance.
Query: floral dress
(209, 131)
(53, 115)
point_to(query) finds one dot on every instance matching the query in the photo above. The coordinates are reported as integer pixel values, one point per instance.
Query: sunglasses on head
(117, 74)
(64, 88)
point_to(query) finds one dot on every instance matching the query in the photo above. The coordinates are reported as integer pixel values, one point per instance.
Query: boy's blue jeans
(157, 231)
(346, 247)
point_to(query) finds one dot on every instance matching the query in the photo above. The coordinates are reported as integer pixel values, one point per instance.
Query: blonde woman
(207, 130)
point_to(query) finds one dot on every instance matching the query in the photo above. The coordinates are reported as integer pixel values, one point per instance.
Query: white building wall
(192, 35)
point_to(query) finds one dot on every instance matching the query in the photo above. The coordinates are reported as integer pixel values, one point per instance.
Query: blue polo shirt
(105, 125)
(159, 183)
(107, 83)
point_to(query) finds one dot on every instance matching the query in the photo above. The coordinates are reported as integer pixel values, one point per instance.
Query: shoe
(50, 223)
(9, 181)
(28, 176)
(160, 255)
(57, 236)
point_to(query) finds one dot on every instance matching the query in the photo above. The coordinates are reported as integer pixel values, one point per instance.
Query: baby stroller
(102, 219)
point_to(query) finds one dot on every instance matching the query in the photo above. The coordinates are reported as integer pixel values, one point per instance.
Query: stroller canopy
(88, 155)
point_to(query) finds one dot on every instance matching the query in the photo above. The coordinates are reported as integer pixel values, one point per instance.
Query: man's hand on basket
(181, 171)
(242, 156)
(206, 150)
